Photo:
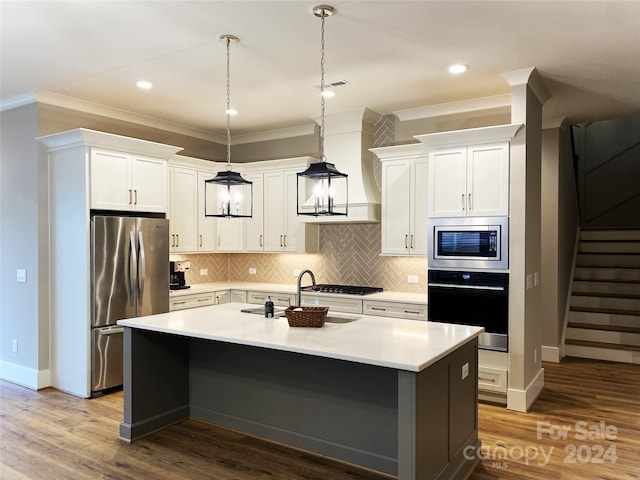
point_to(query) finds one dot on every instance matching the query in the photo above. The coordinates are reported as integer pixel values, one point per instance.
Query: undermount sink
(335, 317)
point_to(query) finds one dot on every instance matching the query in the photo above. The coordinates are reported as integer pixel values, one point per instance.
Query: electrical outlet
(204, 271)
(252, 271)
(465, 370)
(412, 278)
(296, 272)
(21, 275)
(14, 347)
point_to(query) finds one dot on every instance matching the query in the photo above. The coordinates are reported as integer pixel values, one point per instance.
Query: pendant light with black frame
(231, 195)
(322, 190)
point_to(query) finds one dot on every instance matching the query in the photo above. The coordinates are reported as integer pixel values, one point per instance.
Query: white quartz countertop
(387, 296)
(387, 342)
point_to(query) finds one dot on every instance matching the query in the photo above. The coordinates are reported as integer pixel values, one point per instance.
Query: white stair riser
(624, 356)
(619, 338)
(589, 259)
(625, 274)
(605, 287)
(605, 319)
(606, 302)
(610, 247)
(610, 235)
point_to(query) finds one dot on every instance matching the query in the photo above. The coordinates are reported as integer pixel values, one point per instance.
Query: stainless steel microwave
(469, 242)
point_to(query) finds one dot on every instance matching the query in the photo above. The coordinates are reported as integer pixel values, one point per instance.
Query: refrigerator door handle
(111, 331)
(133, 262)
(142, 273)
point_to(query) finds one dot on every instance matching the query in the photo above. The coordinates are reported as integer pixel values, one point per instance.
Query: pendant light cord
(322, 155)
(228, 167)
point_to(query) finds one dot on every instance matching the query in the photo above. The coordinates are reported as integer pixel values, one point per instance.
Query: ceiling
(393, 54)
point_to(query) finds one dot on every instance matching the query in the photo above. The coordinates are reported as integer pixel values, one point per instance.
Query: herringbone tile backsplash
(349, 254)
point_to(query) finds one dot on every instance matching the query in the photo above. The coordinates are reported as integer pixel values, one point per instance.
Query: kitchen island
(397, 396)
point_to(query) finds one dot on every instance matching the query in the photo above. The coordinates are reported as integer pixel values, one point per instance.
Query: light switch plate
(204, 271)
(529, 281)
(252, 271)
(465, 370)
(412, 278)
(21, 275)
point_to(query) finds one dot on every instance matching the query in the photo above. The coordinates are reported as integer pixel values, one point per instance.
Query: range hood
(348, 137)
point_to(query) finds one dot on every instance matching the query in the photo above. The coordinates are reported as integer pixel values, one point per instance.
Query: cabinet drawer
(279, 299)
(192, 301)
(411, 311)
(345, 305)
(238, 296)
(492, 379)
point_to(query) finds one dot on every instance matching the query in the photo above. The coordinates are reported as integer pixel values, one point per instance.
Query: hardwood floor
(51, 435)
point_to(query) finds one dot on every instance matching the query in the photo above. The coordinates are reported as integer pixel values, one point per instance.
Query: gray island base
(411, 424)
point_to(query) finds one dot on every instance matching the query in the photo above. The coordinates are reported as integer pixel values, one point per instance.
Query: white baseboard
(522, 400)
(551, 354)
(27, 377)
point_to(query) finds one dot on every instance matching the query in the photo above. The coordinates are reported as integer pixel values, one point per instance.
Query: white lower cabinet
(238, 296)
(195, 300)
(336, 304)
(410, 311)
(279, 299)
(493, 375)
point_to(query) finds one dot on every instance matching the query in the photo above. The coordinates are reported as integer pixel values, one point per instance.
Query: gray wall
(24, 314)
(559, 231)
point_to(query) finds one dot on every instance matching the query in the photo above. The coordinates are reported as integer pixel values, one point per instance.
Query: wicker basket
(306, 316)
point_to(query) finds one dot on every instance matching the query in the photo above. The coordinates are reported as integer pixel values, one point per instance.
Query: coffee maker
(176, 275)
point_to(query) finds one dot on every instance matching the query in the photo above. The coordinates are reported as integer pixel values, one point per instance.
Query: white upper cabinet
(469, 171)
(206, 241)
(404, 199)
(469, 181)
(127, 182)
(183, 224)
(254, 226)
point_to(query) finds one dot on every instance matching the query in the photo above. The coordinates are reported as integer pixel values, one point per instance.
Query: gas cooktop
(346, 289)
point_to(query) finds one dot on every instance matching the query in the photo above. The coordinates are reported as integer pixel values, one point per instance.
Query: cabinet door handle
(405, 241)
(200, 240)
(177, 240)
(259, 298)
(217, 300)
(206, 299)
(173, 240)
(381, 309)
(261, 240)
(135, 197)
(218, 240)
(463, 204)
(179, 303)
(283, 299)
(412, 311)
(285, 240)
(492, 380)
(469, 201)
(281, 240)
(412, 242)
(129, 196)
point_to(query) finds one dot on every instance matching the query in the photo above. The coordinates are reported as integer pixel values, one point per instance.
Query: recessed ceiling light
(144, 84)
(458, 68)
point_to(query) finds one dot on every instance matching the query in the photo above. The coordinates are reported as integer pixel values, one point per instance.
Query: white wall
(24, 314)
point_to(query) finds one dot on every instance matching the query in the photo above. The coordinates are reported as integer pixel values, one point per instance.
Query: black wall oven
(472, 298)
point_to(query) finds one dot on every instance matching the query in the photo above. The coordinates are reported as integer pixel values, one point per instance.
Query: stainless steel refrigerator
(129, 278)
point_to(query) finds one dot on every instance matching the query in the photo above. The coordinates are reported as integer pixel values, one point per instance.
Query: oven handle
(467, 287)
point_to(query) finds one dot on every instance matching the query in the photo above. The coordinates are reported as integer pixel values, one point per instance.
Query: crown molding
(531, 77)
(451, 108)
(277, 134)
(17, 101)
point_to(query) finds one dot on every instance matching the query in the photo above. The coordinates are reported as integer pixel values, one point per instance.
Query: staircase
(604, 314)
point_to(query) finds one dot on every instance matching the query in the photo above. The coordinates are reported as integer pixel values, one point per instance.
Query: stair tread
(607, 328)
(609, 311)
(627, 296)
(613, 346)
(577, 278)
